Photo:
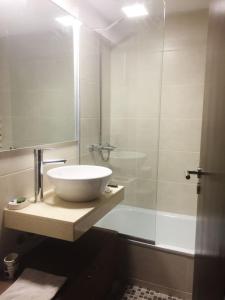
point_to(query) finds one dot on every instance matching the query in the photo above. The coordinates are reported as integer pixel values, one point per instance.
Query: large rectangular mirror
(38, 77)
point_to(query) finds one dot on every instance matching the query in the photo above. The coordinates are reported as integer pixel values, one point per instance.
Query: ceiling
(115, 25)
(111, 9)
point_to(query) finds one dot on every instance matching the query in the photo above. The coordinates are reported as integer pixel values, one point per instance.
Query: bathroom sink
(79, 182)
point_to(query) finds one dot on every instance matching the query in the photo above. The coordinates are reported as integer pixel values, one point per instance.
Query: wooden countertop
(4, 285)
(62, 219)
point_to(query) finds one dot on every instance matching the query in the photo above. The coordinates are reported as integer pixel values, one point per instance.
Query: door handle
(199, 172)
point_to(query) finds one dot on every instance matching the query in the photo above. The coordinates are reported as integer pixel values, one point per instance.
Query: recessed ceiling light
(135, 10)
(68, 21)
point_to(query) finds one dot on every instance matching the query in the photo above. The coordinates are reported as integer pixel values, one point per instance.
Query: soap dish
(15, 204)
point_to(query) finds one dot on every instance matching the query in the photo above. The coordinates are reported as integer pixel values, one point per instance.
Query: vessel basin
(79, 183)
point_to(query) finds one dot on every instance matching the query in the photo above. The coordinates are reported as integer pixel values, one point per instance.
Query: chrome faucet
(102, 149)
(38, 172)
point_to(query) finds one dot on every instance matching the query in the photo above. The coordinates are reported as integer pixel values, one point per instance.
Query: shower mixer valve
(101, 149)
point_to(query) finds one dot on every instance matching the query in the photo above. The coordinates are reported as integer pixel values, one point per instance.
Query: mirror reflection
(38, 50)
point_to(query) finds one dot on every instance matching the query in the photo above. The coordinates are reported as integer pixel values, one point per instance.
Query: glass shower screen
(120, 98)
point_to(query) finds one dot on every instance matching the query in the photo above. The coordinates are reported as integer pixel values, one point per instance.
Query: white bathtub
(168, 230)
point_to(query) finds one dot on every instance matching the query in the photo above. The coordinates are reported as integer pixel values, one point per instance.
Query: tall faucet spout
(38, 172)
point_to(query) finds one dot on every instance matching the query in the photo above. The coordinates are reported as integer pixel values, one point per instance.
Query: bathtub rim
(155, 212)
(150, 243)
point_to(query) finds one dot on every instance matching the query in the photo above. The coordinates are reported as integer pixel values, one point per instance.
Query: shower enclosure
(129, 57)
(125, 97)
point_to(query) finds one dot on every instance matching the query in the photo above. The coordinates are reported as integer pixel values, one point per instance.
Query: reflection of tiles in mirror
(1, 132)
(134, 292)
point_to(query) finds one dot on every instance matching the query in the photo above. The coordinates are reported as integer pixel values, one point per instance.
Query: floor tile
(134, 292)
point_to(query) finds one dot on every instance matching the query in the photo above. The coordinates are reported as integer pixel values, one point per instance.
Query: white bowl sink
(79, 182)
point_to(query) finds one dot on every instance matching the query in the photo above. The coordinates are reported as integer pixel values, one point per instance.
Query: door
(209, 279)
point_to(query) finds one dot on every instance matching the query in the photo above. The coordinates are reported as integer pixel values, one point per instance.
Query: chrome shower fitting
(101, 149)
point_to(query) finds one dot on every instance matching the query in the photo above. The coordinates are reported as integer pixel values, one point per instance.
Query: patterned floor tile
(134, 292)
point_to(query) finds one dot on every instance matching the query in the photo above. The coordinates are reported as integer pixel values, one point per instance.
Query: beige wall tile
(21, 184)
(135, 92)
(89, 99)
(181, 109)
(147, 168)
(180, 134)
(106, 91)
(5, 96)
(90, 127)
(43, 78)
(12, 162)
(5, 101)
(182, 101)
(184, 66)
(173, 164)
(90, 94)
(159, 267)
(123, 133)
(176, 197)
(4, 196)
(130, 190)
(90, 131)
(186, 30)
(146, 193)
(147, 133)
(133, 133)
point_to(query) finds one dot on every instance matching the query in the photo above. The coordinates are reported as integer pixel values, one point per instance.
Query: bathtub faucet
(101, 148)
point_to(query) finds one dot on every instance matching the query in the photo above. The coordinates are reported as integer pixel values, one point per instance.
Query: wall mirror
(38, 74)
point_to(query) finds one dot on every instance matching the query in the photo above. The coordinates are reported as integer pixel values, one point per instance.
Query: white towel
(35, 285)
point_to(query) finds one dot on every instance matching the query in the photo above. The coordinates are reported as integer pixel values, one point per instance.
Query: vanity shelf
(62, 219)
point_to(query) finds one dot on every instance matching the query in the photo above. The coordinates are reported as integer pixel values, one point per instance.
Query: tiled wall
(36, 82)
(181, 110)
(105, 91)
(164, 271)
(95, 86)
(89, 94)
(42, 87)
(145, 116)
(5, 97)
(136, 68)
